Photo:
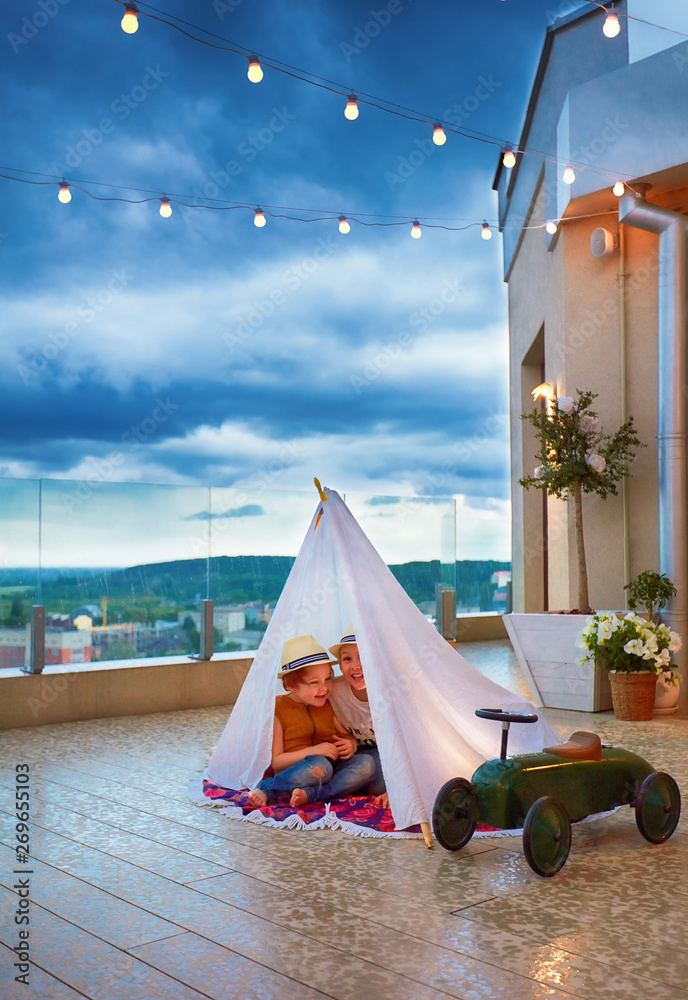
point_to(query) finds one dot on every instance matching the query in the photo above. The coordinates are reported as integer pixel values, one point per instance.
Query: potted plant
(635, 651)
(575, 457)
(653, 590)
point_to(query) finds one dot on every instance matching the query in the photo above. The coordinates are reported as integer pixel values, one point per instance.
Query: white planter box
(546, 647)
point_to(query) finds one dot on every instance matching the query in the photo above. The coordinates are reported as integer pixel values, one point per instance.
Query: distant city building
(61, 646)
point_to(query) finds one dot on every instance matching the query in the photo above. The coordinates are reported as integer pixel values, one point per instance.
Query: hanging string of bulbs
(261, 213)
(611, 28)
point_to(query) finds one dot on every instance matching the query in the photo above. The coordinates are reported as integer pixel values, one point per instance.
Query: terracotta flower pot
(633, 695)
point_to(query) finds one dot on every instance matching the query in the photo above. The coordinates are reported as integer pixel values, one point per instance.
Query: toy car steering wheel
(500, 716)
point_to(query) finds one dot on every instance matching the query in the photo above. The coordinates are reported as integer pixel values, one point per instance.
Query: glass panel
(19, 550)
(124, 569)
(483, 569)
(255, 537)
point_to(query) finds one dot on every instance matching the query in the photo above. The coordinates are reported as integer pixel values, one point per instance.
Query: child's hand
(346, 746)
(326, 750)
(381, 801)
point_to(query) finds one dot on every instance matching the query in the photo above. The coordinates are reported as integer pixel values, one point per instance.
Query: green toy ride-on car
(544, 793)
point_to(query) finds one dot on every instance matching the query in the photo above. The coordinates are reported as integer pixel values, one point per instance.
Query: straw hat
(347, 638)
(302, 651)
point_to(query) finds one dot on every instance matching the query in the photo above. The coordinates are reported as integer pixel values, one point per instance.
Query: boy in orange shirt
(313, 755)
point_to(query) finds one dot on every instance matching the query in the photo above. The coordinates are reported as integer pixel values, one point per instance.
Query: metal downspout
(672, 229)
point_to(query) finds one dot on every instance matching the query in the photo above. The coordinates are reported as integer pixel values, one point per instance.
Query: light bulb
(351, 109)
(255, 72)
(551, 227)
(611, 26)
(568, 176)
(544, 391)
(259, 219)
(509, 159)
(415, 230)
(130, 21)
(619, 188)
(344, 226)
(165, 208)
(487, 232)
(64, 194)
(438, 136)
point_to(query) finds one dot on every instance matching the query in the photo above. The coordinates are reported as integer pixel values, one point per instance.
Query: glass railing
(122, 570)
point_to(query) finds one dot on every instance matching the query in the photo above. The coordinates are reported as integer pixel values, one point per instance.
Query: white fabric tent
(422, 693)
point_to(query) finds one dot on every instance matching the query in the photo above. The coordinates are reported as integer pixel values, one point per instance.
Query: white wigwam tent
(422, 693)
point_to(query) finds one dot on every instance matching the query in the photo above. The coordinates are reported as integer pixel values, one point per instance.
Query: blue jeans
(321, 779)
(377, 783)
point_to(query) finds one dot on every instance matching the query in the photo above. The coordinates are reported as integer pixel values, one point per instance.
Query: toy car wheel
(455, 814)
(547, 836)
(658, 807)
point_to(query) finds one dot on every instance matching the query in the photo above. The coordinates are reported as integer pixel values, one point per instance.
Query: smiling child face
(350, 666)
(312, 686)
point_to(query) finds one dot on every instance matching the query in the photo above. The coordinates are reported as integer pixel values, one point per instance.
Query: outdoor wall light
(543, 391)
(130, 21)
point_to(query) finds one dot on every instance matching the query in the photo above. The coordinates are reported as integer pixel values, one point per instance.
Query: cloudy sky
(202, 350)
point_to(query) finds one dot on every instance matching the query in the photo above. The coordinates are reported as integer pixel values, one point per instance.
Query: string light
(130, 21)
(64, 194)
(438, 135)
(568, 176)
(255, 71)
(508, 159)
(415, 230)
(551, 227)
(487, 232)
(619, 188)
(351, 109)
(165, 208)
(344, 226)
(611, 27)
(259, 219)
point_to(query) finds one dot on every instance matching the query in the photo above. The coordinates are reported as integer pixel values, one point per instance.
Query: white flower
(587, 423)
(662, 659)
(565, 404)
(596, 462)
(634, 647)
(675, 642)
(539, 473)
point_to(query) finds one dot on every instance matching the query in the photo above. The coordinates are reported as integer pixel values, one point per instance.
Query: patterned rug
(356, 815)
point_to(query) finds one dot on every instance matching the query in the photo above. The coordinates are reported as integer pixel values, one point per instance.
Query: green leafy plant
(630, 644)
(651, 590)
(576, 457)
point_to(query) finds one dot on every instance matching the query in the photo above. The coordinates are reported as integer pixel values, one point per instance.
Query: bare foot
(258, 797)
(299, 798)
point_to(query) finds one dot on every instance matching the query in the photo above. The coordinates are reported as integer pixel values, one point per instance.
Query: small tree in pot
(576, 457)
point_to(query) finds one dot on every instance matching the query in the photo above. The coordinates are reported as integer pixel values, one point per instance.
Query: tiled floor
(136, 893)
